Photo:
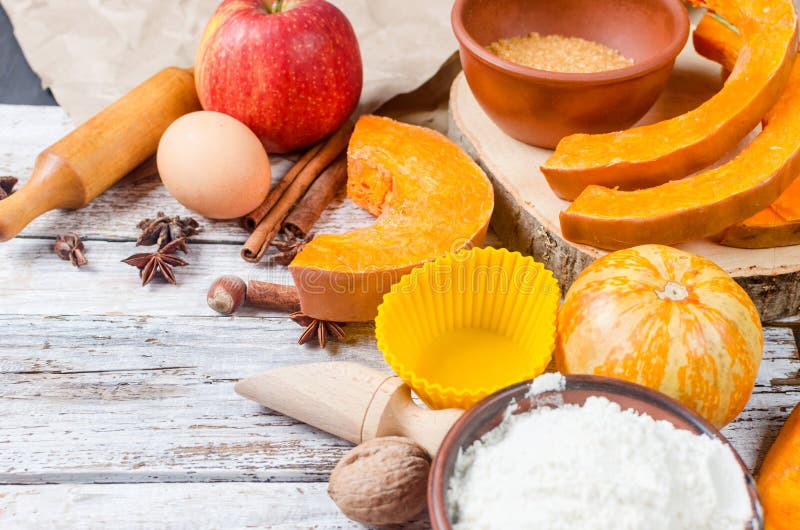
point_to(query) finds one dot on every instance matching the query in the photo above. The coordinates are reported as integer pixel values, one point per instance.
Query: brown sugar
(557, 53)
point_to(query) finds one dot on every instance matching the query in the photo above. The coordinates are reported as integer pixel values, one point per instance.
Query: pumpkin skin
(665, 319)
(768, 228)
(779, 478)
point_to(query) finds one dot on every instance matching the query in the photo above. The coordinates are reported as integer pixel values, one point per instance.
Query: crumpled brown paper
(91, 52)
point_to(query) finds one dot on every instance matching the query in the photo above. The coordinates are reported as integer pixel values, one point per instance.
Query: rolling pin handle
(349, 400)
(55, 185)
(392, 412)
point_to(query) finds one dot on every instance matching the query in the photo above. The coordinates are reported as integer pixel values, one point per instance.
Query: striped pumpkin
(666, 319)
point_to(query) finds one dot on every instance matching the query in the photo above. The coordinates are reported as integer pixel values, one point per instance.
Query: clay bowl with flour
(488, 413)
(539, 107)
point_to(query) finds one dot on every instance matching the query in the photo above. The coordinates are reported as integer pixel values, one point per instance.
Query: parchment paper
(90, 52)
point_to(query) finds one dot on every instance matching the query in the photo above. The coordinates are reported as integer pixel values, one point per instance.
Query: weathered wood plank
(136, 506)
(34, 281)
(776, 393)
(140, 399)
(150, 399)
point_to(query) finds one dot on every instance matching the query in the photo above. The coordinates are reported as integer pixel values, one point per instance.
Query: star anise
(322, 330)
(162, 230)
(288, 247)
(159, 262)
(70, 247)
(7, 186)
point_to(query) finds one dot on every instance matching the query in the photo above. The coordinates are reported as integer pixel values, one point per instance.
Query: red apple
(290, 70)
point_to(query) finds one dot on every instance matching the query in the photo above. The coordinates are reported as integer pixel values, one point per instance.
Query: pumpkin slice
(715, 41)
(430, 198)
(653, 154)
(700, 205)
(779, 478)
(779, 224)
(767, 228)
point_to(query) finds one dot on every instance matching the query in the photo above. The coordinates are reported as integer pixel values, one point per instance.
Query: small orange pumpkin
(666, 319)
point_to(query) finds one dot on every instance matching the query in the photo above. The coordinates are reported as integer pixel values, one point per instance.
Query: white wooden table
(116, 401)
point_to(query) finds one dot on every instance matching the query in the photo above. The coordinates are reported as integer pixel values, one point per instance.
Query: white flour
(596, 467)
(547, 383)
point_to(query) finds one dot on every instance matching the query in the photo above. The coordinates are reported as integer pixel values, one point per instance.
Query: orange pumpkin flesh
(666, 319)
(650, 155)
(703, 204)
(715, 41)
(779, 223)
(779, 478)
(430, 197)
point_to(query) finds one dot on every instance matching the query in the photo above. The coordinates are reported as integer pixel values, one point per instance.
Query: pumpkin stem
(672, 291)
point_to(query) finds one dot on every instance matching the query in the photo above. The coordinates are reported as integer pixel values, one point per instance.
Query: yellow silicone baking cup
(465, 325)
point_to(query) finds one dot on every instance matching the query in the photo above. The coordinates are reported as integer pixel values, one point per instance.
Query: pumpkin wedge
(767, 228)
(703, 204)
(779, 478)
(779, 224)
(430, 198)
(715, 41)
(654, 154)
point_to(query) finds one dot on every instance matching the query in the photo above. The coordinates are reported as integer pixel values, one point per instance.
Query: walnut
(382, 481)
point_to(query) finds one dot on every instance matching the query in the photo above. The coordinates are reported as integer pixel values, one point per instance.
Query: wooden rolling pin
(89, 160)
(349, 400)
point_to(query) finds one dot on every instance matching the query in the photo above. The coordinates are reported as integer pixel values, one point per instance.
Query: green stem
(273, 6)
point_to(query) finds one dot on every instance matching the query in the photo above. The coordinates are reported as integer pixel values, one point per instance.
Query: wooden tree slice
(526, 209)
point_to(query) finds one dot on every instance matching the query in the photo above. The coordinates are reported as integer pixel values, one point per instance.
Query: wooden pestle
(89, 160)
(349, 400)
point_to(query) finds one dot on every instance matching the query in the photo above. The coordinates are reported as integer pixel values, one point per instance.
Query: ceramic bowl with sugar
(539, 107)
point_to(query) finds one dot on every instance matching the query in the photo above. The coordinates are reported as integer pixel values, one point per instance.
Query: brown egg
(214, 165)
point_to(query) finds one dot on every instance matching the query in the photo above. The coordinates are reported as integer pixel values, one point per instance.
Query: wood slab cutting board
(526, 209)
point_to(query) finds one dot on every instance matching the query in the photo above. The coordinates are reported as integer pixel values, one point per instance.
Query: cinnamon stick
(252, 219)
(302, 218)
(272, 296)
(267, 228)
(314, 159)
